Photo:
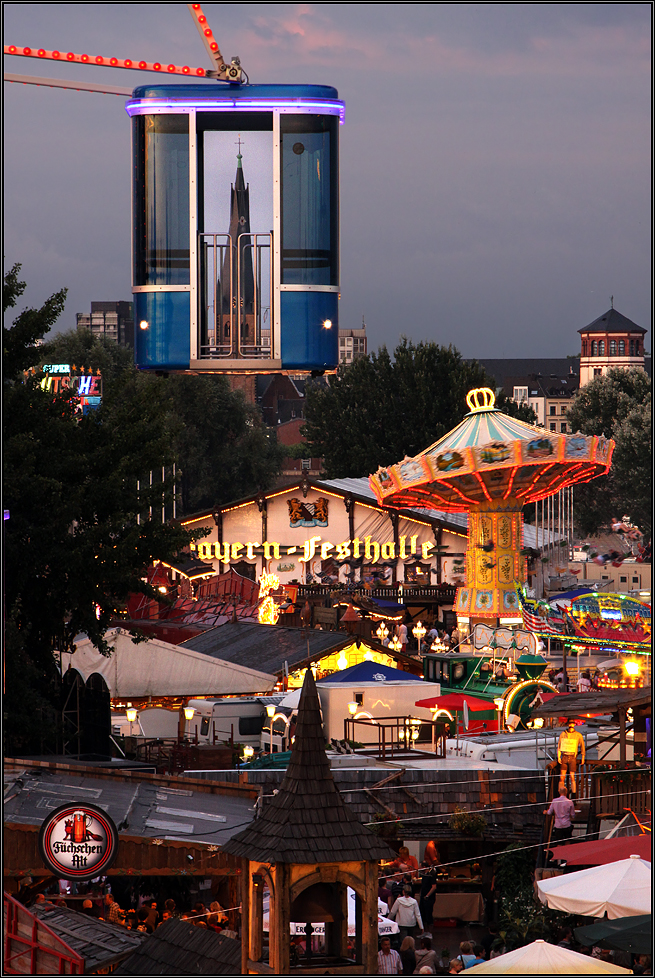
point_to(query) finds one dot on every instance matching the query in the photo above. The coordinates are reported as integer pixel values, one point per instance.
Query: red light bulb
(208, 32)
(185, 70)
(84, 58)
(142, 64)
(41, 53)
(27, 50)
(12, 49)
(171, 67)
(127, 63)
(202, 19)
(200, 71)
(55, 54)
(70, 56)
(214, 46)
(113, 61)
(157, 66)
(99, 60)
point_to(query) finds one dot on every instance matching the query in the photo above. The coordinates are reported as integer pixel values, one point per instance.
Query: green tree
(224, 450)
(81, 348)
(380, 408)
(78, 535)
(616, 405)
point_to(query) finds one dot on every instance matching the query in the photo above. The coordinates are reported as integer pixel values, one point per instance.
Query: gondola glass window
(310, 204)
(161, 200)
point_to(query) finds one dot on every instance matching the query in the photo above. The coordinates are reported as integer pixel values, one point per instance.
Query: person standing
(406, 913)
(389, 962)
(570, 741)
(402, 636)
(426, 957)
(584, 682)
(564, 811)
(408, 956)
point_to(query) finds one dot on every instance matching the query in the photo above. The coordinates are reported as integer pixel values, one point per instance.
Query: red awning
(601, 851)
(455, 701)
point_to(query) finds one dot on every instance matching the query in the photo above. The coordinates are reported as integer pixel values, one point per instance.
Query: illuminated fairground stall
(490, 466)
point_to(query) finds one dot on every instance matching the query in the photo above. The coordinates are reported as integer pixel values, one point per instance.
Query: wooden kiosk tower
(308, 848)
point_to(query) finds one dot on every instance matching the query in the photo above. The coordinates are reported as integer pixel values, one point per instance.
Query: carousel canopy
(490, 456)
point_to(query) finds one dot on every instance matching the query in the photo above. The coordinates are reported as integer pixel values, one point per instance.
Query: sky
(495, 160)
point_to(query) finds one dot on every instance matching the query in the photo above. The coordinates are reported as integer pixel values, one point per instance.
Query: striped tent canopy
(490, 456)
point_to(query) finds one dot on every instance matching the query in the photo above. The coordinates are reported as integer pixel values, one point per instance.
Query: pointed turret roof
(307, 821)
(612, 321)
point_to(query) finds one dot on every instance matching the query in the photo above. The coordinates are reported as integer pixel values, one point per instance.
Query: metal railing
(395, 592)
(235, 334)
(394, 735)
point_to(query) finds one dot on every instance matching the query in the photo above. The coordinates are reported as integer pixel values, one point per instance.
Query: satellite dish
(466, 715)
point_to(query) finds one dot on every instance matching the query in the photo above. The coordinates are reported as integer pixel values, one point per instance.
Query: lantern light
(352, 708)
(395, 644)
(270, 710)
(189, 712)
(248, 752)
(631, 667)
(131, 714)
(382, 631)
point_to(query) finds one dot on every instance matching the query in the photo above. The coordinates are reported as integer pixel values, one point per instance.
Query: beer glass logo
(78, 841)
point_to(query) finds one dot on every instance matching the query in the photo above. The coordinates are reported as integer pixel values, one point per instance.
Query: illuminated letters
(267, 551)
(310, 549)
(205, 551)
(388, 551)
(403, 554)
(412, 543)
(356, 543)
(325, 550)
(84, 386)
(375, 555)
(343, 550)
(236, 551)
(249, 550)
(425, 550)
(222, 551)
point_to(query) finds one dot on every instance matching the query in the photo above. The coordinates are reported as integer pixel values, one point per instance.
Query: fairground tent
(155, 668)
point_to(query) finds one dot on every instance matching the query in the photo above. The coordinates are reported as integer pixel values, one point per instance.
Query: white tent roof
(620, 889)
(155, 668)
(541, 958)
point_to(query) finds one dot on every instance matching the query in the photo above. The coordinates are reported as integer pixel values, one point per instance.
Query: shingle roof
(308, 821)
(612, 322)
(265, 647)
(181, 948)
(100, 943)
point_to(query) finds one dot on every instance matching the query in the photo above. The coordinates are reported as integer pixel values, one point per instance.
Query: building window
(553, 426)
(584, 348)
(621, 348)
(612, 348)
(306, 463)
(562, 427)
(417, 574)
(552, 409)
(624, 580)
(601, 348)
(520, 394)
(635, 580)
(632, 348)
(594, 348)
(598, 372)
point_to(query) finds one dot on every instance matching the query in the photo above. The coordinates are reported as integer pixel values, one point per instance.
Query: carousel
(490, 466)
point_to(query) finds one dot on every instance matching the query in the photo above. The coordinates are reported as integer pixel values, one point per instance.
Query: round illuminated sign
(78, 842)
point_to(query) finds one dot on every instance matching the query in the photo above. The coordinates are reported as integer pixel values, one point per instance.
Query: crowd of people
(147, 916)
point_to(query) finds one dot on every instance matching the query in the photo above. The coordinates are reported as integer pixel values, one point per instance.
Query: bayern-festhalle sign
(78, 842)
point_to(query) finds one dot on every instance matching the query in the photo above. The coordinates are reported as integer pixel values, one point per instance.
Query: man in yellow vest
(567, 754)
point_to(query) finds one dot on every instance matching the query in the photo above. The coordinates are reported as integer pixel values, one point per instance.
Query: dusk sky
(495, 161)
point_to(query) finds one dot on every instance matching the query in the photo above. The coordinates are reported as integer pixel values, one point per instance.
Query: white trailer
(238, 718)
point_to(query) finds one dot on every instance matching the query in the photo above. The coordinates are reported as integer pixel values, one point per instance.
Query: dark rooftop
(597, 701)
(265, 647)
(181, 948)
(612, 322)
(100, 943)
(307, 821)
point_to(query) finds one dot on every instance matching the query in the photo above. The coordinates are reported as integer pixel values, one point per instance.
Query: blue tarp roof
(370, 672)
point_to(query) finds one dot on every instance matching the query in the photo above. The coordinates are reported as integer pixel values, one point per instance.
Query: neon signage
(371, 551)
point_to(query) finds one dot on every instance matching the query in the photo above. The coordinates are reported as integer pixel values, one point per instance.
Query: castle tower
(237, 296)
(611, 341)
(307, 848)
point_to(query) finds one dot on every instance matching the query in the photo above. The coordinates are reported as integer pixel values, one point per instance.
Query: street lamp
(418, 632)
(395, 644)
(189, 712)
(248, 752)
(382, 631)
(270, 711)
(352, 709)
(499, 702)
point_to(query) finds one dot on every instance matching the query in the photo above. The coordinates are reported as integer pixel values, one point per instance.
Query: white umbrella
(291, 700)
(541, 958)
(620, 889)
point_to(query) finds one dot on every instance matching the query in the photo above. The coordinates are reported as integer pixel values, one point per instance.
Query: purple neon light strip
(141, 106)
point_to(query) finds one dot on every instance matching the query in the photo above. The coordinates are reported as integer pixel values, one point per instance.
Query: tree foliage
(617, 405)
(79, 534)
(224, 450)
(81, 347)
(382, 407)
